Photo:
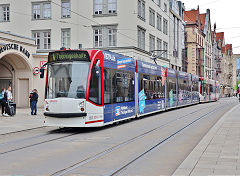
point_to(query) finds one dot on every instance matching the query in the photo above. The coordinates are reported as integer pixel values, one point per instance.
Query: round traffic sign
(36, 70)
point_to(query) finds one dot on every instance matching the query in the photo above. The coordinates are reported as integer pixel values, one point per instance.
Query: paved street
(22, 121)
(155, 145)
(218, 153)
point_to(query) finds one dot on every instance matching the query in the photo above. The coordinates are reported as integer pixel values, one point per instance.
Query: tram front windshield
(68, 79)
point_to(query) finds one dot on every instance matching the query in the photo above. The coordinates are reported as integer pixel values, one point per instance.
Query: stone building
(19, 67)
(206, 27)
(133, 28)
(176, 37)
(194, 42)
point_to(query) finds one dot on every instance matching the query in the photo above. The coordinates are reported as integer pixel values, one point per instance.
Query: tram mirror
(42, 73)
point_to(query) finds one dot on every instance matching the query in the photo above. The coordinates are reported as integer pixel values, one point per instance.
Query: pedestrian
(33, 101)
(3, 101)
(8, 98)
(9, 94)
(1, 95)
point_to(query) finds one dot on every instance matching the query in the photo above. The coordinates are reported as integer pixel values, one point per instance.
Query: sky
(225, 13)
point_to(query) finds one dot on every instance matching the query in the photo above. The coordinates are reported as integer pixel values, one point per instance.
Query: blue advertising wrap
(118, 61)
(113, 112)
(141, 99)
(148, 68)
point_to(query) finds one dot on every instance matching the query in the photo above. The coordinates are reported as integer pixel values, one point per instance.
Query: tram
(95, 88)
(209, 90)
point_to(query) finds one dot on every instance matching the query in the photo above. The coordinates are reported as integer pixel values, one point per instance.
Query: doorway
(23, 92)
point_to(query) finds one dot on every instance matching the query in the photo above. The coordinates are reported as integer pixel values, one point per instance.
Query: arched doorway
(6, 75)
(16, 72)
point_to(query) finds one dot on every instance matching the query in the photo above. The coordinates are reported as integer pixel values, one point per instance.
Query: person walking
(33, 101)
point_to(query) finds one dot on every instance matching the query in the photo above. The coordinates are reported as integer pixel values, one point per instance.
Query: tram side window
(107, 86)
(171, 86)
(152, 86)
(123, 86)
(211, 88)
(95, 90)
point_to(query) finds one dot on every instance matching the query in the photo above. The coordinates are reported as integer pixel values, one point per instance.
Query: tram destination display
(60, 56)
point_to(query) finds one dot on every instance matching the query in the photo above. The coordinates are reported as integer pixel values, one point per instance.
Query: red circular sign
(36, 70)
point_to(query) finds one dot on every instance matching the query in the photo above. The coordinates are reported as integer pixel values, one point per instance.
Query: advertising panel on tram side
(151, 88)
(119, 89)
(184, 88)
(171, 88)
(195, 88)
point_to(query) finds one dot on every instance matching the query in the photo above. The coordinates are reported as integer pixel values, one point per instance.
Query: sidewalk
(218, 153)
(21, 121)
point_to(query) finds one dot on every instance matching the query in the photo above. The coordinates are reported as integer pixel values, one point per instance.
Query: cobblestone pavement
(21, 121)
(218, 153)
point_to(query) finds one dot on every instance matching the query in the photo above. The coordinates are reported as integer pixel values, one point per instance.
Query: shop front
(18, 63)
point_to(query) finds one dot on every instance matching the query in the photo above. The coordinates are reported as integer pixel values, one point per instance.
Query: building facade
(216, 55)
(176, 37)
(99, 24)
(206, 27)
(226, 65)
(236, 71)
(237, 67)
(19, 67)
(229, 69)
(140, 29)
(194, 43)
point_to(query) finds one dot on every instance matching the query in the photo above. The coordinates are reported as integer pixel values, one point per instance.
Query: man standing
(33, 101)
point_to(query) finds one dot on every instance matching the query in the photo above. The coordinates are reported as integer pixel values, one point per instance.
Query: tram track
(125, 166)
(12, 144)
(119, 146)
(22, 131)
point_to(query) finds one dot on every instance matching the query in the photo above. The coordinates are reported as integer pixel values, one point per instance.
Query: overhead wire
(93, 21)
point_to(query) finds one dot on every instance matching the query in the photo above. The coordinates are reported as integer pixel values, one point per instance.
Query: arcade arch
(16, 71)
